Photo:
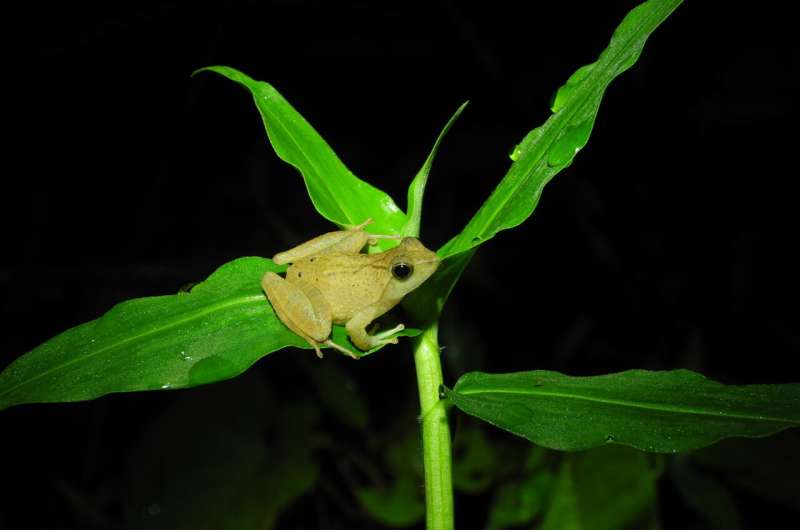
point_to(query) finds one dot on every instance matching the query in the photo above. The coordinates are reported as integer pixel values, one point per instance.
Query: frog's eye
(402, 270)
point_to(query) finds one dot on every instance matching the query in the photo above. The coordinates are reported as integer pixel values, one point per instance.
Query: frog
(331, 281)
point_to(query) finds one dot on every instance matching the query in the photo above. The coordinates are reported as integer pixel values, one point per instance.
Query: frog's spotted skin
(330, 282)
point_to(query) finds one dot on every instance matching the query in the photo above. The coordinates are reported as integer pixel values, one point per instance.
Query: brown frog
(330, 281)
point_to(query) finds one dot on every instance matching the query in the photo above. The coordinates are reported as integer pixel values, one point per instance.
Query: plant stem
(435, 432)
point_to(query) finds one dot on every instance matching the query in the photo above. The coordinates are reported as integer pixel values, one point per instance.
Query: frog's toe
(381, 337)
(342, 349)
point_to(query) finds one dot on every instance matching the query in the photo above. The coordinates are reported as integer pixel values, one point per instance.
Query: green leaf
(214, 332)
(416, 189)
(652, 411)
(548, 149)
(609, 488)
(225, 456)
(337, 194)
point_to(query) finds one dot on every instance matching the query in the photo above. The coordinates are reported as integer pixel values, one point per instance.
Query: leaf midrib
(631, 404)
(170, 324)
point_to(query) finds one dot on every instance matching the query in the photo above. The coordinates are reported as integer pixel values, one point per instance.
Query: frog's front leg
(345, 241)
(357, 330)
(349, 241)
(301, 307)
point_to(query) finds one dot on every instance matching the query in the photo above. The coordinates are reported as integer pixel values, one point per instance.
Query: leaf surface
(548, 149)
(215, 332)
(661, 412)
(337, 194)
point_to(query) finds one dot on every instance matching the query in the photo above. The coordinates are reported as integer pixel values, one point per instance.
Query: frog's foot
(379, 339)
(315, 345)
(342, 349)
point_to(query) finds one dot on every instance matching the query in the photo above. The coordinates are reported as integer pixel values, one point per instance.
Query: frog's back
(349, 282)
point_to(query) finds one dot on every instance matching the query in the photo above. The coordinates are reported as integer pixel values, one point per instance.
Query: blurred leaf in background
(226, 456)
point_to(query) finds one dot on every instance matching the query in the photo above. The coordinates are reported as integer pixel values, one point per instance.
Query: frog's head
(410, 265)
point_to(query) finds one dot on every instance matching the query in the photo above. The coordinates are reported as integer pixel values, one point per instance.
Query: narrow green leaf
(214, 332)
(652, 411)
(417, 188)
(337, 194)
(546, 150)
(550, 148)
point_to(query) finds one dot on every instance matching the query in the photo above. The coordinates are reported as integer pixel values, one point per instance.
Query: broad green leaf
(652, 411)
(609, 488)
(548, 149)
(337, 194)
(417, 188)
(214, 332)
(225, 456)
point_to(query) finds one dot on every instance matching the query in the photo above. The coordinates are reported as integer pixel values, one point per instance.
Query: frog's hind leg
(356, 328)
(301, 307)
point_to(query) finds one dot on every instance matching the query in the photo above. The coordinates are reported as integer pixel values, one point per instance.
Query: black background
(670, 242)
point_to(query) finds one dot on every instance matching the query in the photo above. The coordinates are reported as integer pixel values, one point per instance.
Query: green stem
(435, 432)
